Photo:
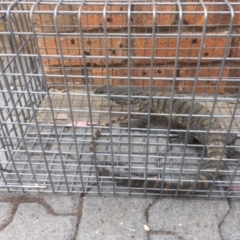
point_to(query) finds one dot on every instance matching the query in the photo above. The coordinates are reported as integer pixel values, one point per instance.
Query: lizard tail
(98, 133)
(185, 187)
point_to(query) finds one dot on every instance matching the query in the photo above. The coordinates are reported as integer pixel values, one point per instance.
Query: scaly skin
(200, 120)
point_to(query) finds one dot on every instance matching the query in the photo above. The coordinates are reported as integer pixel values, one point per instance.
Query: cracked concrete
(5, 212)
(187, 220)
(125, 220)
(32, 221)
(230, 226)
(76, 217)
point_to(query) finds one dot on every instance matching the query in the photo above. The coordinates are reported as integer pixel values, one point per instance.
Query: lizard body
(200, 121)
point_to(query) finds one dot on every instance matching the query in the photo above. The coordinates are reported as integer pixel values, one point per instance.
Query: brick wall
(20, 17)
(77, 41)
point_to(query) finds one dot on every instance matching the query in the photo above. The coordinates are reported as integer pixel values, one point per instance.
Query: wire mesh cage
(170, 70)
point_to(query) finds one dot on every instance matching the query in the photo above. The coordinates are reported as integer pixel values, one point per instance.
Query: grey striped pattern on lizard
(160, 103)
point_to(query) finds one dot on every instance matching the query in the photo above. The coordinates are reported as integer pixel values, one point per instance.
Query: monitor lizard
(200, 120)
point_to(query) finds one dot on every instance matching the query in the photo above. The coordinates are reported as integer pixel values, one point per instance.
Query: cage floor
(60, 160)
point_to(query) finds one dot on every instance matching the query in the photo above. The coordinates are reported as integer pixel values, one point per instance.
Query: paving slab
(163, 237)
(188, 218)
(32, 221)
(62, 203)
(5, 212)
(231, 225)
(56, 203)
(73, 217)
(115, 218)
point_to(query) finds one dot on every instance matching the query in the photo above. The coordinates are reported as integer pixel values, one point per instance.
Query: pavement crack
(152, 232)
(79, 215)
(16, 201)
(10, 218)
(223, 219)
(147, 215)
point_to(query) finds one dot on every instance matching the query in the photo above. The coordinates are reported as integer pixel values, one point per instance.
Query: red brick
(138, 76)
(142, 76)
(98, 76)
(19, 20)
(74, 77)
(237, 14)
(205, 86)
(162, 19)
(44, 22)
(233, 85)
(235, 46)
(193, 13)
(91, 20)
(71, 46)
(236, 7)
(189, 48)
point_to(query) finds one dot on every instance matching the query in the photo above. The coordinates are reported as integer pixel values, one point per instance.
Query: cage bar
(55, 54)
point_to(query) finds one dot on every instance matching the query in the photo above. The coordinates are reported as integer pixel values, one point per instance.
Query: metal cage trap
(55, 54)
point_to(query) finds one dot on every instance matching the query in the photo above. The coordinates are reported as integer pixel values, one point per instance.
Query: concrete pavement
(59, 216)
